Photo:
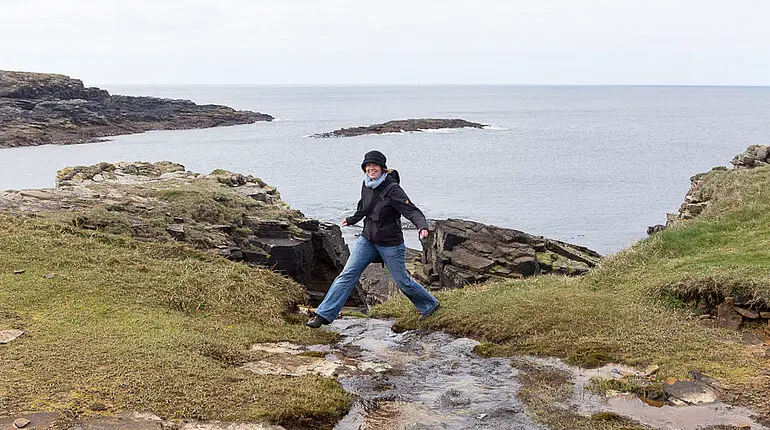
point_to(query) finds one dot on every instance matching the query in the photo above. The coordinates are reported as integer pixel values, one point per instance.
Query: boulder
(459, 252)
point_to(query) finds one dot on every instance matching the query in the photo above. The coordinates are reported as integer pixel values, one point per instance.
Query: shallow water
(435, 382)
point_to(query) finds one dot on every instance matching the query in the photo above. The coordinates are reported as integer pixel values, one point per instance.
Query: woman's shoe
(317, 321)
(429, 313)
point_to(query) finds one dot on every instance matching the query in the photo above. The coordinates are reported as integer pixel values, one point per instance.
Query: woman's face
(373, 171)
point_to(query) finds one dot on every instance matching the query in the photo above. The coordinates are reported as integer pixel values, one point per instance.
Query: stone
(7, 336)
(728, 317)
(19, 272)
(49, 275)
(20, 423)
(691, 392)
(747, 313)
(175, 230)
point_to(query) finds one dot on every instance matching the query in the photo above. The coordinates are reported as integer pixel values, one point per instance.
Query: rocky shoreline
(39, 109)
(402, 126)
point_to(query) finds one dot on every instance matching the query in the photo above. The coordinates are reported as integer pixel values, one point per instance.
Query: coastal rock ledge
(236, 216)
(40, 109)
(401, 126)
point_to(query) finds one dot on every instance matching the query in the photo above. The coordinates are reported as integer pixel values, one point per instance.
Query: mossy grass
(638, 306)
(157, 327)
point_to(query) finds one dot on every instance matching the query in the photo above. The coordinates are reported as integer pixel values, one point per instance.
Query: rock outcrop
(399, 126)
(39, 109)
(459, 252)
(239, 217)
(697, 198)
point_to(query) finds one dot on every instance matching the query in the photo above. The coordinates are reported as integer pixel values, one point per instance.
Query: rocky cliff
(39, 109)
(239, 217)
(399, 126)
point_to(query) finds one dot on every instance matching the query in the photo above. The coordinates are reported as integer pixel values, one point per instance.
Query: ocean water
(591, 165)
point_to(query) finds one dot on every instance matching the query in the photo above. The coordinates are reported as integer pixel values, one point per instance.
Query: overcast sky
(691, 42)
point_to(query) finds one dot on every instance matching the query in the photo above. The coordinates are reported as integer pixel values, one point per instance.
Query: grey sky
(390, 42)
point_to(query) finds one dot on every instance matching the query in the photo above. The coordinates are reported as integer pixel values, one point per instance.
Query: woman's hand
(344, 222)
(423, 234)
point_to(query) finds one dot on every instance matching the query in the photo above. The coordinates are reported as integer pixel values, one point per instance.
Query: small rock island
(41, 108)
(401, 126)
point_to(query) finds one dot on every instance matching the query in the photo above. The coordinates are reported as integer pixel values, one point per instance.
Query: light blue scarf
(369, 183)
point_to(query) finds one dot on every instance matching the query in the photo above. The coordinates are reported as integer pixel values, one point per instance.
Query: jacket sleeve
(358, 215)
(401, 203)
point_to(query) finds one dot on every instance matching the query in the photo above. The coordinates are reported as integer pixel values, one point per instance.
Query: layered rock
(399, 126)
(39, 109)
(459, 252)
(239, 217)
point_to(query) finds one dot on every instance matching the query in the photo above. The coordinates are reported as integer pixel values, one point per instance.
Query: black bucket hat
(375, 157)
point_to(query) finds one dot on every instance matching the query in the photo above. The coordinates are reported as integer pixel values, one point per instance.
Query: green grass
(150, 327)
(638, 306)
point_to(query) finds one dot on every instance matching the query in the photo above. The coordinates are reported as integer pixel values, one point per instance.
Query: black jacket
(383, 207)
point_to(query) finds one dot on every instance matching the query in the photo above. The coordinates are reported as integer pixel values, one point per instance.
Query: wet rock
(7, 336)
(399, 126)
(38, 109)
(459, 252)
(690, 392)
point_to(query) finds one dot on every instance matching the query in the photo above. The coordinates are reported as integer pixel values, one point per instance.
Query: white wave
(495, 127)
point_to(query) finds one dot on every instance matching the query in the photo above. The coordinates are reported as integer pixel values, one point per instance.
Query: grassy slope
(630, 309)
(151, 327)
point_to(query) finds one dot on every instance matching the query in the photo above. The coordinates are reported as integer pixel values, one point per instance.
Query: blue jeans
(364, 252)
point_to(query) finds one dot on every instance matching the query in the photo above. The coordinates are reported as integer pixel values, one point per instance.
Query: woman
(383, 201)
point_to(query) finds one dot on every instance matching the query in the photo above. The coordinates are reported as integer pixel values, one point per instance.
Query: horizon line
(429, 85)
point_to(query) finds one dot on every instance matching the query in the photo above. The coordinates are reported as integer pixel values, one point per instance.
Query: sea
(591, 165)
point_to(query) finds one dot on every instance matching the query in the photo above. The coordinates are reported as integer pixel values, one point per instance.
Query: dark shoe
(429, 313)
(317, 321)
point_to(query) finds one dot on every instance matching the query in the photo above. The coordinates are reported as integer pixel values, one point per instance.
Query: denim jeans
(364, 252)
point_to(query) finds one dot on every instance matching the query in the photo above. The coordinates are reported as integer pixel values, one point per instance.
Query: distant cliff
(39, 109)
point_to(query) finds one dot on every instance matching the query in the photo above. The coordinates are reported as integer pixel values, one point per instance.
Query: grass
(638, 306)
(156, 327)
